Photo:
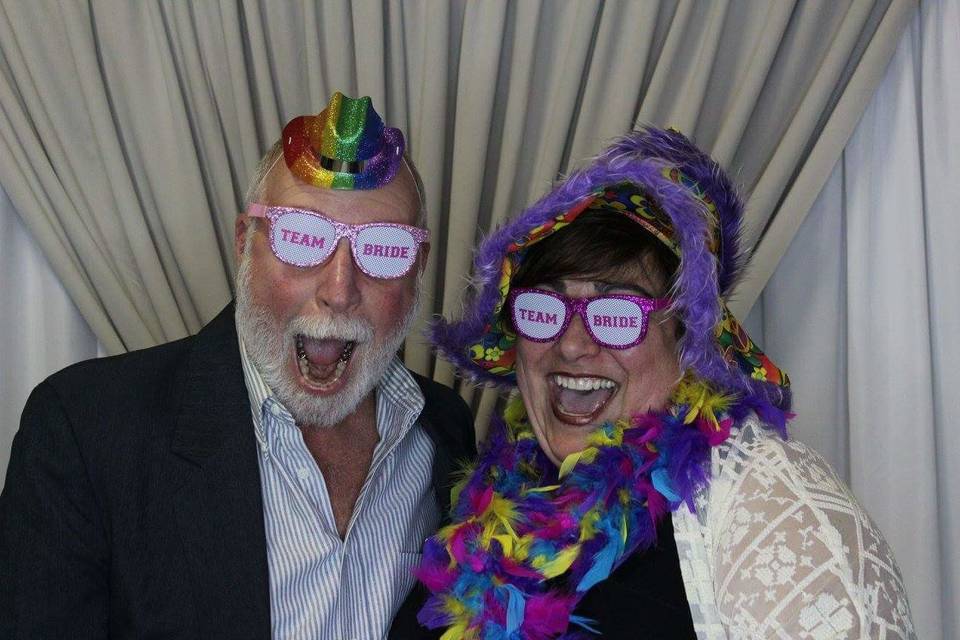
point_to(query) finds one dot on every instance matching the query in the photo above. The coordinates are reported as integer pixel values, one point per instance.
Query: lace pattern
(780, 548)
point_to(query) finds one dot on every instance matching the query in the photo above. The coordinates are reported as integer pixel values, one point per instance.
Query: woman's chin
(562, 438)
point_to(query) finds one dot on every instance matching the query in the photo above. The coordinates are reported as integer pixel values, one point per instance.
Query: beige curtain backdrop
(128, 130)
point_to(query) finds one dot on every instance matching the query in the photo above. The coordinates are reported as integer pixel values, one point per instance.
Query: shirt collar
(399, 400)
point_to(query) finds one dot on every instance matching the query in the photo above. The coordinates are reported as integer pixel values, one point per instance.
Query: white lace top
(780, 548)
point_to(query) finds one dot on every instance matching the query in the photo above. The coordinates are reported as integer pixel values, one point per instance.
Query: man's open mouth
(579, 400)
(322, 361)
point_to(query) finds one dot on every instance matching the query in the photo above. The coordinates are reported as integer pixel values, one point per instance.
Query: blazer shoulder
(144, 374)
(446, 410)
(102, 379)
(435, 390)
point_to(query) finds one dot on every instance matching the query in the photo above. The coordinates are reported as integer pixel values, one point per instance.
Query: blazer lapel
(447, 421)
(443, 458)
(219, 504)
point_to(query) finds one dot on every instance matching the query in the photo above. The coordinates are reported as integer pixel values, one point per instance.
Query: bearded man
(274, 475)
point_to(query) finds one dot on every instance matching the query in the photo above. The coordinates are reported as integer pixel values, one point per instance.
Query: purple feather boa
(473, 577)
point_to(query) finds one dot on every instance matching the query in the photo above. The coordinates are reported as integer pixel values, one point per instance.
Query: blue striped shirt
(322, 587)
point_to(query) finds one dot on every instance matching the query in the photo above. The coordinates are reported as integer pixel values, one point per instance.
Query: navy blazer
(132, 505)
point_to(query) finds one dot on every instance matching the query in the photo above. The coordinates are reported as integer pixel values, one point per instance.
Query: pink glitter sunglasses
(305, 238)
(616, 321)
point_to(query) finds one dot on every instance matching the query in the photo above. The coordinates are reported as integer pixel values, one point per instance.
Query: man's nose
(576, 343)
(337, 279)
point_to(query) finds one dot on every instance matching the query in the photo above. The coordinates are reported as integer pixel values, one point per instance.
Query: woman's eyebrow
(555, 284)
(606, 285)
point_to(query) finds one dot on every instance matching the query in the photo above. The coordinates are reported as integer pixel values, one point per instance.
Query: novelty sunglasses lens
(615, 322)
(301, 239)
(384, 251)
(538, 316)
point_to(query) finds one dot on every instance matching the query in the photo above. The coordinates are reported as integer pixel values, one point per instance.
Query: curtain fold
(787, 188)
(939, 103)
(132, 194)
(42, 329)
(129, 130)
(863, 311)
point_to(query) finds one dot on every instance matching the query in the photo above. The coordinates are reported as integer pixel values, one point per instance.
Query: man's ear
(240, 227)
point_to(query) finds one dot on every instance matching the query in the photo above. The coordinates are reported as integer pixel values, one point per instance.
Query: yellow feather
(696, 402)
(454, 607)
(588, 528)
(552, 487)
(522, 547)
(560, 564)
(587, 456)
(702, 400)
(570, 462)
(506, 543)
(460, 616)
(455, 493)
(501, 508)
(514, 413)
(457, 631)
(600, 438)
(497, 518)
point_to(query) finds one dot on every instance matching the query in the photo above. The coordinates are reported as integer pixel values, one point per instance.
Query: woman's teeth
(583, 383)
(579, 400)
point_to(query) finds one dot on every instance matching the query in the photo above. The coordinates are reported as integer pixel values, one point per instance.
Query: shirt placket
(306, 485)
(390, 441)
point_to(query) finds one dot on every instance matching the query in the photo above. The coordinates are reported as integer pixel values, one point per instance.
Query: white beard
(269, 347)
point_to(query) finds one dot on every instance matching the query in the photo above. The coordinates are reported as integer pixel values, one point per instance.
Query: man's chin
(317, 408)
(325, 403)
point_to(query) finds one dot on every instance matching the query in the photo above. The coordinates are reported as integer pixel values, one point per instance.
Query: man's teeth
(304, 365)
(344, 355)
(583, 383)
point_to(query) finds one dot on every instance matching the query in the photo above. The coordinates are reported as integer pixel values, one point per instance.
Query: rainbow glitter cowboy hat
(346, 146)
(675, 192)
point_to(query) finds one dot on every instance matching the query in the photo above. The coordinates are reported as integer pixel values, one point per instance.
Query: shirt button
(303, 473)
(275, 408)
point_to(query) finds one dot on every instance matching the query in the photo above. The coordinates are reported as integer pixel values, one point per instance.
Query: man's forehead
(397, 201)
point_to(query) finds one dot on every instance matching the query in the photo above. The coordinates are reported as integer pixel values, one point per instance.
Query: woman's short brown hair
(602, 245)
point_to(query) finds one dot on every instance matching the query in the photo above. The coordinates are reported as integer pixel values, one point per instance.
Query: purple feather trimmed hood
(704, 214)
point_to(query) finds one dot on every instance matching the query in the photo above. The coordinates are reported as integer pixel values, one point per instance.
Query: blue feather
(661, 482)
(602, 566)
(514, 608)
(586, 623)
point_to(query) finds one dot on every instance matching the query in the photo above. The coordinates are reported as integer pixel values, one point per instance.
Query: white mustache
(336, 327)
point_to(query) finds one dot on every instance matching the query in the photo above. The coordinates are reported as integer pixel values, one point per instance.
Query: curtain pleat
(476, 91)
(790, 189)
(42, 329)
(129, 130)
(864, 309)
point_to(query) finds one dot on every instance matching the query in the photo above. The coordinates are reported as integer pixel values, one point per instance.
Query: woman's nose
(576, 342)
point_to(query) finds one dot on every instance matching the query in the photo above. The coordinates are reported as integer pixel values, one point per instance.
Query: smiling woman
(640, 484)
(576, 380)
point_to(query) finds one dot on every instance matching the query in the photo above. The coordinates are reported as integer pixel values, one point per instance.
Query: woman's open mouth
(579, 400)
(322, 361)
